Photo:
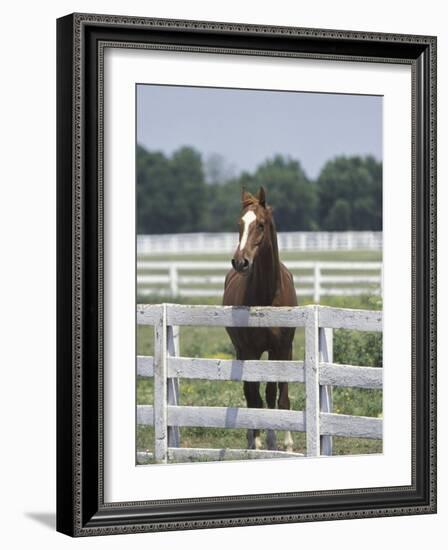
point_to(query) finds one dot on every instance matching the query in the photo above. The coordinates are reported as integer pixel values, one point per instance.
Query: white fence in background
(316, 279)
(318, 372)
(203, 243)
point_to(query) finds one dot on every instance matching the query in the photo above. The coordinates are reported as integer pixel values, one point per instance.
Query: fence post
(160, 389)
(317, 268)
(326, 392)
(173, 384)
(312, 382)
(174, 281)
(350, 240)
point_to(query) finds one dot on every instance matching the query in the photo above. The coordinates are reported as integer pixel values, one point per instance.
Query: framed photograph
(246, 274)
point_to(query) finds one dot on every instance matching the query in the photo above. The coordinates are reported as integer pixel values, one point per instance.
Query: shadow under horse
(258, 278)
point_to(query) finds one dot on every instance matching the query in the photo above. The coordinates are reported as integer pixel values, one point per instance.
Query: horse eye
(261, 225)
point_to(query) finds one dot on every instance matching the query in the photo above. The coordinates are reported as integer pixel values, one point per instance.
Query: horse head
(255, 229)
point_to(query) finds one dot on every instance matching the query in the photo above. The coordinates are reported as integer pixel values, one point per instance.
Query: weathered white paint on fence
(145, 415)
(233, 316)
(160, 388)
(236, 417)
(330, 374)
(351, 426)
(234, 369)
(312, 382)
(172, 382)
(148, 314)
(351, 376)
(355, 319)
(326, 392)
(145, 366)
(318, 372)
(186, 454)
(225, 417)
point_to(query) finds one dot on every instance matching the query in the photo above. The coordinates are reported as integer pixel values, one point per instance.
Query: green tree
(339, 217)
(289, 191)
(191, 192)
(292, 195)
(173, 196)
(223, 206)
(171, 192)
(350, 187)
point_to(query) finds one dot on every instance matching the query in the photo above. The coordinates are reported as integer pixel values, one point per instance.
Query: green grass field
(213, 342)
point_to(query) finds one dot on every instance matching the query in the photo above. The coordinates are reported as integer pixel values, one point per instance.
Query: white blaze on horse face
(248, 219)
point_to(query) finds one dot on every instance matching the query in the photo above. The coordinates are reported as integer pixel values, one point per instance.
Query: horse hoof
(289, 443)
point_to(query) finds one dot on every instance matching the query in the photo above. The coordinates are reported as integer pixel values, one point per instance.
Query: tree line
(181, 193)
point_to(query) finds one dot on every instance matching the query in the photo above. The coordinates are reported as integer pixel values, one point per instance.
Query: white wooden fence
(200, 243)
(318, 372)
(316, 279)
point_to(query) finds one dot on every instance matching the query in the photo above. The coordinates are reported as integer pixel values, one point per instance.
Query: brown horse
(258, 278)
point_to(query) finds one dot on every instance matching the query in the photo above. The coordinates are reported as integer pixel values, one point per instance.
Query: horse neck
(262, 284)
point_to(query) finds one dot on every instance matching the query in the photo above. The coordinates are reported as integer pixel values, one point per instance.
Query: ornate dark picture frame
(81, 510)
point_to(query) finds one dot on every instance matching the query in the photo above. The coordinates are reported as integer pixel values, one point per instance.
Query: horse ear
(246, 197)
(262, 197)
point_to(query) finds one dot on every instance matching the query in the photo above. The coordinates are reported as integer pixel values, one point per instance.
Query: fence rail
(199, 243)
(318, 372)
(317, 279)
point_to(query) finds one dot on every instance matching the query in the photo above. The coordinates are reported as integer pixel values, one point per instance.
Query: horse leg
(283, 399)
(271, 396)
(284, 403)
(252, 395)
(253, 400)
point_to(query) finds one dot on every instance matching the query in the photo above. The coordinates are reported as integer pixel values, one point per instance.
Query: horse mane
(274, 241)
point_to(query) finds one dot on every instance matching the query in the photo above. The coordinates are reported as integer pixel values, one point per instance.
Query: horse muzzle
(241, 265)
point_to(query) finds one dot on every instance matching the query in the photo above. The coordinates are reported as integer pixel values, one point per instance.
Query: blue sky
(248, 126)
